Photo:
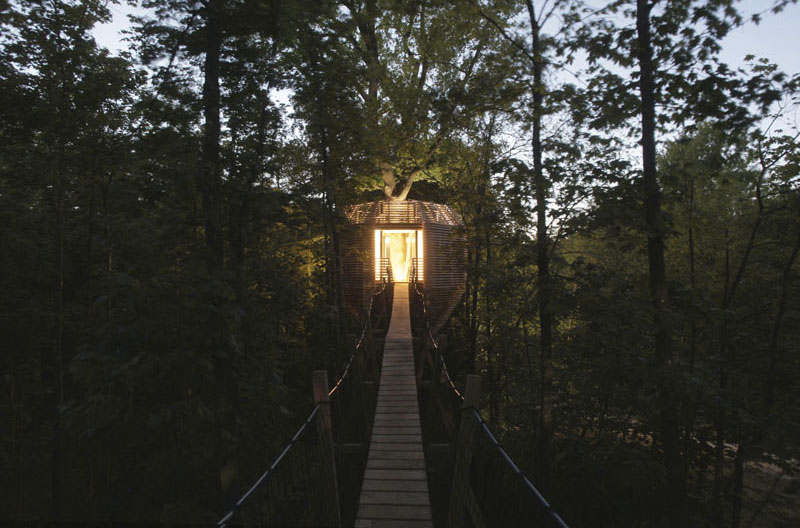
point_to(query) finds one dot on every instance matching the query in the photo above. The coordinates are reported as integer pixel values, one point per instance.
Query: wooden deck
(395, 488)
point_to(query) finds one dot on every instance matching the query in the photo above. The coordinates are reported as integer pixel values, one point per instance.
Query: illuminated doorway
(397, 248)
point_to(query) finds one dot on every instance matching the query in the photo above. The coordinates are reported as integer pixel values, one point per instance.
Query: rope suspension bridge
(385, 447)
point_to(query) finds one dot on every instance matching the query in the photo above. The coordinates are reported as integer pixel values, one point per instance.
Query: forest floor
(772, 495)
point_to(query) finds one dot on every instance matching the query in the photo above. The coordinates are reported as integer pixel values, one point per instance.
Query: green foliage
(135, 382)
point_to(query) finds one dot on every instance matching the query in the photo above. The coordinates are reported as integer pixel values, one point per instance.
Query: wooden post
(423, 350)
(369, 351)
(433, 395)
(319, 381)
(466, 433)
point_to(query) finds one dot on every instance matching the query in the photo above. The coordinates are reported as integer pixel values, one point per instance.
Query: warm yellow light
(398, 249)
(377, 254)
(420, 257)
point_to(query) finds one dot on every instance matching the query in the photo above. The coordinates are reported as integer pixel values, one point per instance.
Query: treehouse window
(399, 249)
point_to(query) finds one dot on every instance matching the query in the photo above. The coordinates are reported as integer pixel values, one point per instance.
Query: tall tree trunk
(473, 304)
(209, 183)
(208, 178)
(542, 258)
(692, 412)
(666, 380)
(720, 416)
(59, 344)
(774, 347)
(490, 359)
(332, 251)
(728, 295)
(692, 280)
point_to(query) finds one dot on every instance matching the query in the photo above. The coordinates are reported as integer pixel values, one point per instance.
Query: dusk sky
(777, 37)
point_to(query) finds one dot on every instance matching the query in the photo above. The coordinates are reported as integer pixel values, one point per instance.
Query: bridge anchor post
(461, 498)
(319, 381)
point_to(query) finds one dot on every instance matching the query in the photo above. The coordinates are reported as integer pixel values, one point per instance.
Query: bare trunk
(58, 341)
(692, 295)
(208, 178)
(720, 417)
(666, 380)
(332, 250)
(209, 184)
(774, 346)
(490, 360)
(542, 259)
(692, 412)
(728, 296)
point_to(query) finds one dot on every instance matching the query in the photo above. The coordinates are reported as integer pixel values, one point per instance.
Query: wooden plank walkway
(395, 488)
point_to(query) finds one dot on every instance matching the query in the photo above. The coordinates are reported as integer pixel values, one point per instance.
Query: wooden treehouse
(404, 241)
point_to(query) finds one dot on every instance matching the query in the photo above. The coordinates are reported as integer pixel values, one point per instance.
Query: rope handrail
(525, 481)
(492, 439)
(265, 476)
(433, 341)
(360, 339)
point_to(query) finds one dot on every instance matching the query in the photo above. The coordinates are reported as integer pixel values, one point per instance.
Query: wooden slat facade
(444, 262)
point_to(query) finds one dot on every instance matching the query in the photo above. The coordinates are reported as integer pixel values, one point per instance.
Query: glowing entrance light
(397, 248)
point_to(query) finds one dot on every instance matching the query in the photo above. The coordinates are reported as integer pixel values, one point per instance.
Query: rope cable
(304, 427)
(433, 341)
(515, 468)
(527, 484)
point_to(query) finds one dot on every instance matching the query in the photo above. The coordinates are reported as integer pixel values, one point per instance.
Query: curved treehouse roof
(403, 239)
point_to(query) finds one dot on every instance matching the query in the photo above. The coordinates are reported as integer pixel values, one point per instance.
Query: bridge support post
(370, 352)
(422, 351)
(319, 381)
(461, 492)
(436, 380)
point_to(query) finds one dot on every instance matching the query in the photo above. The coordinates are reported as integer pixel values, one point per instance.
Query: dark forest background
(169, 239)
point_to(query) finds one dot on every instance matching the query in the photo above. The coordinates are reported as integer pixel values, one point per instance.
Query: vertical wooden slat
(444, 261)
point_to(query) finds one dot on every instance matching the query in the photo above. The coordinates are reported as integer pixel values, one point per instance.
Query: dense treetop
(170, 244)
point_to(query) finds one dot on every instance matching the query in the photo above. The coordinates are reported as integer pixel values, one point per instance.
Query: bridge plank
(395, 463)
(407, 498)
(396, 455)
(394, 492)
(397, 429)
(397, 418)
(407, 415)
(393, 523)
(394, 446)
(392, 511)
(398, 439)
(394, 474)
(394, 485)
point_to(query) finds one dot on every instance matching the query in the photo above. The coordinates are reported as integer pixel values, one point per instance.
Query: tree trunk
(774, 347)
(666, 380)
(692, 412)
(208, 178)
(209, 183)
(720, 416)
(490, 360)
(692, 294)
(58, 346)
(728, 295)
(542, 259)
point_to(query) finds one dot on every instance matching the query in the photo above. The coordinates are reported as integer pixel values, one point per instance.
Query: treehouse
(403, 240)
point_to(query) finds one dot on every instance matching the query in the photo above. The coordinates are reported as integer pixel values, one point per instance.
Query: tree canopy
(171, 223)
